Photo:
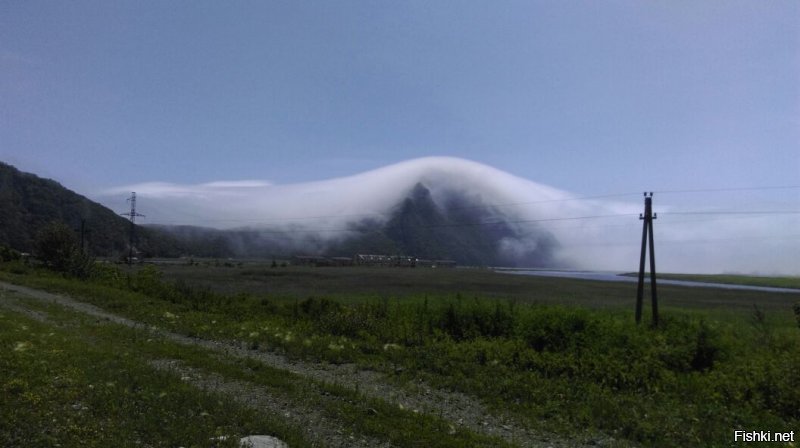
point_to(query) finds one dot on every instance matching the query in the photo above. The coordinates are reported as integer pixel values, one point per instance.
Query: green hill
(29, 202)
(454, 226)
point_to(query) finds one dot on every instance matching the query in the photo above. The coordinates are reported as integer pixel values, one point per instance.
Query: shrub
(8, 254)
(476, 320)
(318, 308)
(706, 350)
(556, 329)
(797, 313)
(350, 322)
(686, 345)
(57, 247)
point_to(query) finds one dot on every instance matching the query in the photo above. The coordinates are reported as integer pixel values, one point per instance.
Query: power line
(514, 204)
(718, 215)
(435, 226)
(671, 242)
(734, 212)
(715, 190)
(544, 201)
(390, 213)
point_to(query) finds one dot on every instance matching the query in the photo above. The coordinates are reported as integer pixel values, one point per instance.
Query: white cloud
(594, 234)
(167, 190)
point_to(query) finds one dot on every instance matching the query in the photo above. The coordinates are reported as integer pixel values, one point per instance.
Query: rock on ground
(262, 442)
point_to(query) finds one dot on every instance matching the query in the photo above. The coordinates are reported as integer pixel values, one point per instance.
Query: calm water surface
(618, 277)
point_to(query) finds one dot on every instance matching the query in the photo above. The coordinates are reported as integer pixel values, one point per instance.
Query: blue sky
(590, 97)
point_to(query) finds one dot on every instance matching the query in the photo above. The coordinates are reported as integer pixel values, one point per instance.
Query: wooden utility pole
(647, 234)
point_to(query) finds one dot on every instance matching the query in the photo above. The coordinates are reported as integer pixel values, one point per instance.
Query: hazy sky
(585, 96)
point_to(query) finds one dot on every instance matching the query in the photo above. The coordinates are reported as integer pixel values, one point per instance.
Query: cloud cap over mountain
(590, 233)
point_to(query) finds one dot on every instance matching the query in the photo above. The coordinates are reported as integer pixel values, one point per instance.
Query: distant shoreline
(754, 283)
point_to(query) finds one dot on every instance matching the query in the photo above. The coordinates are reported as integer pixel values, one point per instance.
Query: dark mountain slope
(28, 203)
(461, 228)
(457, 227)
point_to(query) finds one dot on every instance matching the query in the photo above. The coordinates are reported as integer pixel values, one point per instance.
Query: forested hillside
(460, 228)
(29, 202)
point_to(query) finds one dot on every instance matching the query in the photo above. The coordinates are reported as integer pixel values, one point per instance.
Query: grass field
(366, 284)
(69, 383)
(557, 356)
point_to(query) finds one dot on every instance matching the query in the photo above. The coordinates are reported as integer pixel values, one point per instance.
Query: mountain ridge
(447, 225)
(29, 203)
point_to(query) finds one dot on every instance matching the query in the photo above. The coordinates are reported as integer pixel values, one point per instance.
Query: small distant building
(436, 263)
(310, 260)
(372, 260)
(404, 261)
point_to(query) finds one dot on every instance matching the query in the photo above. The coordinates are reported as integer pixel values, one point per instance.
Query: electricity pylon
(132, 216)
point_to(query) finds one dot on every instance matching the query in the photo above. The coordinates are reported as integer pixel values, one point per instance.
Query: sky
(588, 97)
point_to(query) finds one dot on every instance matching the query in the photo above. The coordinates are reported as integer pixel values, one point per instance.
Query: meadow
(560, 356)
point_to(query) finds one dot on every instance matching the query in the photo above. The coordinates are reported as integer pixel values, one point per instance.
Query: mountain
(430, 207)
(247, 243)
(434, 207)
(461, 228)
(450, 222)
(456, 226)
(29, 203)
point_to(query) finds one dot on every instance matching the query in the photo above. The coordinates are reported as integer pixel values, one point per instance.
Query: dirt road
(458, 409)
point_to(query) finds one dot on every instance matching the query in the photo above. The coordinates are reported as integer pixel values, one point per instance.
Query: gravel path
(320, 429)
(459, 409)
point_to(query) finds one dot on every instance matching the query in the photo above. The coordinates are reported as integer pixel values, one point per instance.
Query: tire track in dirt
(459, 409)
(318, 427)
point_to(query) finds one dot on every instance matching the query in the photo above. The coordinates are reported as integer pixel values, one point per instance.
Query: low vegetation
(81, 385)
(569, 369)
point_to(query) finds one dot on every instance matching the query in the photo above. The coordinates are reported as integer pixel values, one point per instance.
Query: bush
(57, 247)
(706, 350)
(476, 320)
(8, 254)
(318, 309)
(556, 329)
(797, 313)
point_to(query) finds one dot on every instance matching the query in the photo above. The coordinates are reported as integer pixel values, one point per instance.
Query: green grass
(358, 285)
(563, 356)
(118, 355)
(89, 386)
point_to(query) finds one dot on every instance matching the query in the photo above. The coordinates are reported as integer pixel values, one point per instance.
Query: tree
(8, 254)
(58, 248)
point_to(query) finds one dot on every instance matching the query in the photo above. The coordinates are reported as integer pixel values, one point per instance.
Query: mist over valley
(451, 208)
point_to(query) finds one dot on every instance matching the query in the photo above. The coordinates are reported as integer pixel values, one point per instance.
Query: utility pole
(132, 216)
(647, 234)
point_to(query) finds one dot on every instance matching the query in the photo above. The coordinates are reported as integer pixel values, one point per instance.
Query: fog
(597, 234)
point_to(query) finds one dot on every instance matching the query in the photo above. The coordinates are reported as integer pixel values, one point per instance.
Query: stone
(262, 442)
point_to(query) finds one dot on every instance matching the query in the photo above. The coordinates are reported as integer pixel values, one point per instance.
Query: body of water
(618, 277)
